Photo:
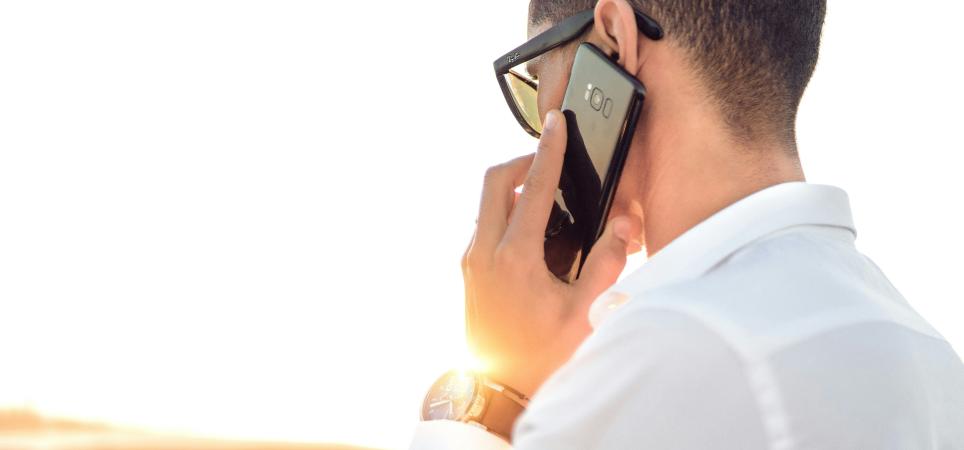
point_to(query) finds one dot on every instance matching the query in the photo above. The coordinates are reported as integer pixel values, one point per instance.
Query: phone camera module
(596, 99)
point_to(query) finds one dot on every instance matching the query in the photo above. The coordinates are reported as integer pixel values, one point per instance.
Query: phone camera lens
(596, 99)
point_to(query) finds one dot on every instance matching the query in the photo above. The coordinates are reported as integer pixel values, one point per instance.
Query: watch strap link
(504, 405)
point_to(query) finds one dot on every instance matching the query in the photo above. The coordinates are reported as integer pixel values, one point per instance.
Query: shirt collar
(700, 248)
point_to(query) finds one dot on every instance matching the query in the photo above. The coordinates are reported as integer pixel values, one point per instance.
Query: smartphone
(602, 105)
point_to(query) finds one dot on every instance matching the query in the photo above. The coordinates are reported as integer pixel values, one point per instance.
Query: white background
(245, 219)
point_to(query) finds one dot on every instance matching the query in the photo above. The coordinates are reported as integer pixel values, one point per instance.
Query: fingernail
(621, 229)
(550, 121)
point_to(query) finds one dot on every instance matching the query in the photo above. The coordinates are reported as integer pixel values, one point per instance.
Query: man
(754, 324)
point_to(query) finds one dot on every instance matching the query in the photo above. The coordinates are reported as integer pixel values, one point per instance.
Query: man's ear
(615, 27)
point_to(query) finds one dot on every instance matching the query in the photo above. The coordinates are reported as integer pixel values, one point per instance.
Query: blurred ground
(26, 430)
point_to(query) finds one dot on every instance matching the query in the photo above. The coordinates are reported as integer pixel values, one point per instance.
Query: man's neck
(686, 164)
(696, 179)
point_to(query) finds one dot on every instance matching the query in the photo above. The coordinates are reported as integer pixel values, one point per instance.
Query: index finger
(528, 220)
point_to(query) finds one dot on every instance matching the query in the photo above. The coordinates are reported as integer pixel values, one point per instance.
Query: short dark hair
(755, 56)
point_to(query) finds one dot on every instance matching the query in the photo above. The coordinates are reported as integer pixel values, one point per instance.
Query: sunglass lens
(525, 93)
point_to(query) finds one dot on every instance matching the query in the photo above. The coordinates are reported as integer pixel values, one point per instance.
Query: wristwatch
(472, 398)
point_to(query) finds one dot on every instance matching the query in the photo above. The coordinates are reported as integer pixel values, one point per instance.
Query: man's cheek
(552, 90)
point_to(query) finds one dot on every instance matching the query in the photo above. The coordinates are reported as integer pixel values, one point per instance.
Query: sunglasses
(521, 91)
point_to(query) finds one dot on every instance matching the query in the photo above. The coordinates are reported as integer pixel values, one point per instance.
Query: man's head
(723, 88)
(754, 58)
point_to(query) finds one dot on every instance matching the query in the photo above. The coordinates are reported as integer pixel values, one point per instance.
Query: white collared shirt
(762, 327)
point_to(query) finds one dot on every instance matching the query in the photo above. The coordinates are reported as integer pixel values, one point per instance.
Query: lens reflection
(524, 92)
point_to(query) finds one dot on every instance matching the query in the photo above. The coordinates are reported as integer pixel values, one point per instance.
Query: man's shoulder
(780, 290)
(727, 342)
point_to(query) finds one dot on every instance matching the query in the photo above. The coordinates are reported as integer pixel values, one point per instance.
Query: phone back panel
(601, 106)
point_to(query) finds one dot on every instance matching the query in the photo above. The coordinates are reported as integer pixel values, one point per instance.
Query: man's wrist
(474, 398)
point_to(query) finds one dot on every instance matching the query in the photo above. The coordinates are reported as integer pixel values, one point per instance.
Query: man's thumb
(607, 258)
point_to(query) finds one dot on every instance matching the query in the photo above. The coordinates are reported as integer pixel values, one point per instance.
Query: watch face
(450, 397)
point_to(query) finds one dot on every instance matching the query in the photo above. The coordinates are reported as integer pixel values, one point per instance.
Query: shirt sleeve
(648, 379)
(452, 435)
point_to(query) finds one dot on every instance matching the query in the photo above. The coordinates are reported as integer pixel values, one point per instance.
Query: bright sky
(245, 218)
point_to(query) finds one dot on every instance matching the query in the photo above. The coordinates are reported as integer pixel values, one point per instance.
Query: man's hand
(521, 319)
